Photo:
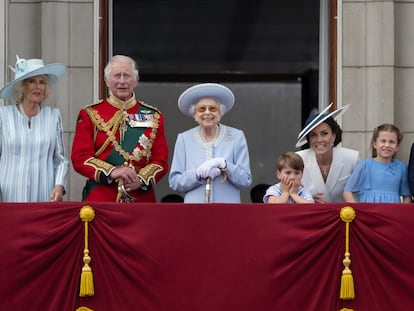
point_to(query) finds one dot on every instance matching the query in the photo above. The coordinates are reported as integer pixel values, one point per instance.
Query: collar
(222, 129)
(120, 104)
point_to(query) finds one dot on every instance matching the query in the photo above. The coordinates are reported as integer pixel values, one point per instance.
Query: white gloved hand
(219, 163)
(204, 169)
(214, 172)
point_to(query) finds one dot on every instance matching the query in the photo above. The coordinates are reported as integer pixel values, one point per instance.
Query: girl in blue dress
(382, 178)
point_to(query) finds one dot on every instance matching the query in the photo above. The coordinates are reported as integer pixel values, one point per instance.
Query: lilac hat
(193, 94)
(26, 68)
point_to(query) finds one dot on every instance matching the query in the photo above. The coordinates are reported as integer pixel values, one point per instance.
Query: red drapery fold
(188, 257)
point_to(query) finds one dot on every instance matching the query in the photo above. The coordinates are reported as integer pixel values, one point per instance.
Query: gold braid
(112, 125)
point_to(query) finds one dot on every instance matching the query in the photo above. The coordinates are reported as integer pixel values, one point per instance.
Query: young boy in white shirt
(289, 190)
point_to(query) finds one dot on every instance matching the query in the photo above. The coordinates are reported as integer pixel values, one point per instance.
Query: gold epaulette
(149, 106)
(97, 102)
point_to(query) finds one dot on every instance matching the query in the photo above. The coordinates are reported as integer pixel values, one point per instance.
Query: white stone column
(3, 38)
(404, 73)
(368, 70)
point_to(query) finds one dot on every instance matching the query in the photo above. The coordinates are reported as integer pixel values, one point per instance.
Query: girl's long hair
(386, 127)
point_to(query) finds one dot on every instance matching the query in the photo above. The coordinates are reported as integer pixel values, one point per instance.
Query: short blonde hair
(290, 159)
(19, 89)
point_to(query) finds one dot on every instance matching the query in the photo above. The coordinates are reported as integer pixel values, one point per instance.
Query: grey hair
(19, 90)
(222, 108)
(134, 67)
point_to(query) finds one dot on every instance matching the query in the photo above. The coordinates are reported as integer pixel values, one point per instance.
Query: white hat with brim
(193, 94)
(316, 119)
(30, 68)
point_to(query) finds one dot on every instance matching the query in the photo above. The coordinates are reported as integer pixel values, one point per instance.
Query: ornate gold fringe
(87, 214)
(83, 309)
(346, 309)
(347, 281)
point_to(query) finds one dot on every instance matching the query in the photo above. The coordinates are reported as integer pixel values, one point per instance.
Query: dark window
(218, 37)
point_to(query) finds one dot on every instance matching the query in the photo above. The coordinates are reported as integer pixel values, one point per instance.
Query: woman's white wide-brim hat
(26, 68)
(316, 119)
(193, 94)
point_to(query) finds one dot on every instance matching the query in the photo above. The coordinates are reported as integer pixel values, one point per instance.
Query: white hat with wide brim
(317, 119)
(30, 68)
(193, 94)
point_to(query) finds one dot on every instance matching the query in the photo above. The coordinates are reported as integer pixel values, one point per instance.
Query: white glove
(204, 169)
(219, 163)
(214, 172)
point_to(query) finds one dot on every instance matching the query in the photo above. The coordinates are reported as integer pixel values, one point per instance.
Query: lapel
(335, 173)
(336, 170)
(315, 173)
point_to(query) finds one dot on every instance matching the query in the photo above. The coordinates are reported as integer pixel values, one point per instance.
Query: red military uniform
(112, 133)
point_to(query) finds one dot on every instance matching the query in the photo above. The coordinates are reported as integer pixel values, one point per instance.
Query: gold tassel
(83, 309)
(87, 214)
(347, 281)
(346, 309)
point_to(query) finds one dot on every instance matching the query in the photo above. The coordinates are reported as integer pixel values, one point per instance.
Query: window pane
(218, 36)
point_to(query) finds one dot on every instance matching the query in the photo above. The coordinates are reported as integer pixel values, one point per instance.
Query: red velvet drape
(234, 257)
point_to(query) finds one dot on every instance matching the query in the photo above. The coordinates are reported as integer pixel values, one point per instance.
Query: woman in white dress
(327, 165)
(211, 161)
(33, 163)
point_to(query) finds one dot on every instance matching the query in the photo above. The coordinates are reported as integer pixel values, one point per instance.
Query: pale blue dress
(379, 182)
(191, 151)
(32, 160)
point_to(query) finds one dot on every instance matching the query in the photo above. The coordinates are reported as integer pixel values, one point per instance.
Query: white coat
(344, 161)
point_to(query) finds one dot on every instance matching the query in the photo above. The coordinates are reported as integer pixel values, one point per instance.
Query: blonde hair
(290, 159)
(19, 89)
(386, 127)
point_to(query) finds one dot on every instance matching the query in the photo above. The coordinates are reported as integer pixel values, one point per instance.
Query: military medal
(142, 120)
